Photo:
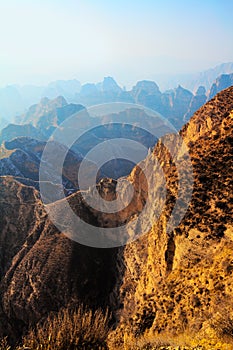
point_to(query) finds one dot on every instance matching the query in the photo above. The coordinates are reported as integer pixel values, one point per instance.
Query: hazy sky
(44, 40)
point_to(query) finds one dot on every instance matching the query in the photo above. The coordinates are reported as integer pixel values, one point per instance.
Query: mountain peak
(210, 118)
(44, 101)
(201, 91)
(222, 82)
(59, 101)
(148, 86)
(109, 84)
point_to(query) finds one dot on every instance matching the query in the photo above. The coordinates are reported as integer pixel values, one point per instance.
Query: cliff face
(222, 82)
(196, 102)
(183, 280)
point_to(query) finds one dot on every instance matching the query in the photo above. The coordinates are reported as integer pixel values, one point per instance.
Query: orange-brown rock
(183, 281)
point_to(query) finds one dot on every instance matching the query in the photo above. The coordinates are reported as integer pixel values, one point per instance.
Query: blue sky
(44, 40)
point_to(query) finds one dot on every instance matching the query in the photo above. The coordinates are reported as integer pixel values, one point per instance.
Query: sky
(45, 40)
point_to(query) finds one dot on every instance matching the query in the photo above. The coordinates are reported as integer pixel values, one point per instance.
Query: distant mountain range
(194, 80)
(15, 99)
(177, 105)
(23, 143)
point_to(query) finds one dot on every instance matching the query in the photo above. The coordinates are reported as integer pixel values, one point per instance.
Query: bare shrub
(69, 330)
(4, 344)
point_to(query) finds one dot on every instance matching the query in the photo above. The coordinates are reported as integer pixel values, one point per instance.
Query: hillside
(41, 269)
(182, 282)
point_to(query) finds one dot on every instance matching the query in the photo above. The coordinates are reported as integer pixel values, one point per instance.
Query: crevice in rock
(170, 253)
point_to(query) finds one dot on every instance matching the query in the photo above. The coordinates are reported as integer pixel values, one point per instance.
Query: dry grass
(70, 330)
(4, 344)
(67, 330)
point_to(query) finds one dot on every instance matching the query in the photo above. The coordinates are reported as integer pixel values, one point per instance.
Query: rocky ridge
(21, 158)
(182, 281)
